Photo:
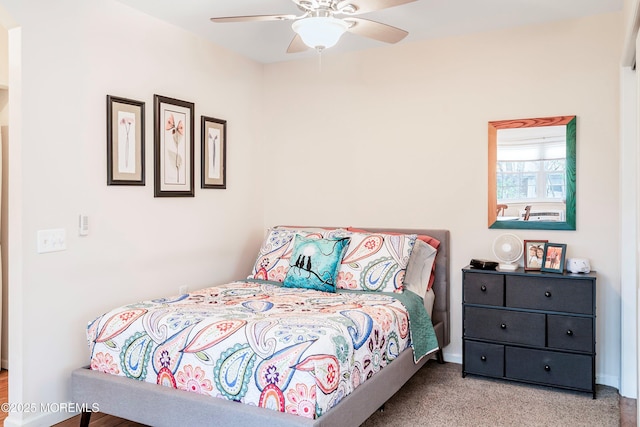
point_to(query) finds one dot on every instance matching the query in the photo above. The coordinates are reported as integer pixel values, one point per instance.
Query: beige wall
(398, 137)
(4, 58)
(388, 137)
(138, 246)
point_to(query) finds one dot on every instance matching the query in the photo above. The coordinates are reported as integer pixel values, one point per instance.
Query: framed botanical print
(173, 147)
(125, 141)
(213, 135)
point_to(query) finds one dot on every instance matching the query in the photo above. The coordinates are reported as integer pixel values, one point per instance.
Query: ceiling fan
(323, 22)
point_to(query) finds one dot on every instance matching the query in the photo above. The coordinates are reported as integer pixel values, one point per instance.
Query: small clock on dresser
(530, 326)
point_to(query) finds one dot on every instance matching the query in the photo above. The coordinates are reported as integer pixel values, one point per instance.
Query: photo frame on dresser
(554, 255)
(125, 141)
(213, 135)
(173, 147)
(534, 253)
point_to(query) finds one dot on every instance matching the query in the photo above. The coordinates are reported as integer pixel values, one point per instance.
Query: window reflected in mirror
(532, 173)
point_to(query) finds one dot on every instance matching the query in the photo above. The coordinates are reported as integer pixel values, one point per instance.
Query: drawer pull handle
(503, 325)
(483, 288)
(569, 332)
(547, 294)
(483, 358)
(547, 368)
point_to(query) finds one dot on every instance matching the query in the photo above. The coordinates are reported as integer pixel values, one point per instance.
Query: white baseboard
(38, 420)
(452, 357)
(608, 380)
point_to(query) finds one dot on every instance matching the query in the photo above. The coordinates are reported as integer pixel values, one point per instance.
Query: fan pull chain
(319, 50)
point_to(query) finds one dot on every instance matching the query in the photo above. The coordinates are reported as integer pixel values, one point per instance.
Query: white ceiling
(267, 42)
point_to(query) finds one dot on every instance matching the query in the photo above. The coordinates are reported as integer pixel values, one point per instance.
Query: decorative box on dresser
(530, 326)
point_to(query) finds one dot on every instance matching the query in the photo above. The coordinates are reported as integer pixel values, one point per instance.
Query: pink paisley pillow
(375, 261)
(431, 241)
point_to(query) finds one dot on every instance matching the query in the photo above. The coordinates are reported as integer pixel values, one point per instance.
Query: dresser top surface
(533, 273)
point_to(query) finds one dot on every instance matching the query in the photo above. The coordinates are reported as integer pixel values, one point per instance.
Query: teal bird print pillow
(315, 262)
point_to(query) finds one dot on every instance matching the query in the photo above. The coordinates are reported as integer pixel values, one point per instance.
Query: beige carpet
(438, 396)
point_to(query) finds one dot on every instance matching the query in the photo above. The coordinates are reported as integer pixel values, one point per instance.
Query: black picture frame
(554, 257)
(213, 136)
(125, 141)
(174, 162)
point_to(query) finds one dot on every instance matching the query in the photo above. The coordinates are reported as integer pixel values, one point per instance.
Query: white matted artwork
(173, 147)
(214, 152)
(125, 141)
(126, 146)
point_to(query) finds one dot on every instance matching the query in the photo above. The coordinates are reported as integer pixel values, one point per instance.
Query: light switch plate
(83, 225)
(52, 240)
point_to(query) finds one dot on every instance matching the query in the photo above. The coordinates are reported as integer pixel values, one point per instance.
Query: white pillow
(418, 272)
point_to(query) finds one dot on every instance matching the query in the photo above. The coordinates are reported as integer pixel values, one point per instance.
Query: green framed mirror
(532, 173)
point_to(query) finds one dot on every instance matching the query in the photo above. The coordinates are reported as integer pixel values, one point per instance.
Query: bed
(343, 401)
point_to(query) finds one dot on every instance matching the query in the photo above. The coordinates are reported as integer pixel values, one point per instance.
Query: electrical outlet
(183, 290)
(52, 240)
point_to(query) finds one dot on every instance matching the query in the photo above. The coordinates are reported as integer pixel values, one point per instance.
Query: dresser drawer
(570, 333)
(566, 295)
(483, 358)
(484, 289)
(548, 367)
(504, 325)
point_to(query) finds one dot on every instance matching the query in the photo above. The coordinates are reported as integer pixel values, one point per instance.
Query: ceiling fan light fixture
(320, 32)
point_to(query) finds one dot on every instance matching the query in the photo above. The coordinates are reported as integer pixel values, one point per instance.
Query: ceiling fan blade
(297, 45)
(365, 6)
(307, 4)
(376, 30)
(254, 18)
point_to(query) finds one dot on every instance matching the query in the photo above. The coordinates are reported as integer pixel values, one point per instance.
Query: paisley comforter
(291, 350)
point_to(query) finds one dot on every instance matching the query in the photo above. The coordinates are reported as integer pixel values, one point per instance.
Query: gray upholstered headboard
(441, 306)
(441, 316)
